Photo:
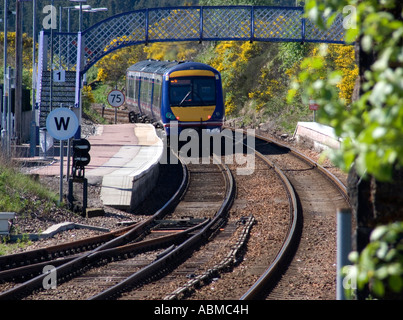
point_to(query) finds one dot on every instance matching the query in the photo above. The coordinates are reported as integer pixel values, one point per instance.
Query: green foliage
(26, 57)
(16, 190)
(372, 126)
(112, 68)
(9, 248)
(291, 53)
(233, 60)
(380, 264)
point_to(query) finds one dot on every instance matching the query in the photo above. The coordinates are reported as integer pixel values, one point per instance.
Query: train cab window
(204, 90)
(196, 91)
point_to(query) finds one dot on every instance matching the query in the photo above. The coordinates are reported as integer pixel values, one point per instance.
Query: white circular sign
(62, 124)
(116, 98)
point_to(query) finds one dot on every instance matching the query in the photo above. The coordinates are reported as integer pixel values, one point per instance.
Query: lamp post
(33, 134)
(78, 77)
(81, 12)
(85, 8)
(4, 115)
(96, 10)
(18, 74)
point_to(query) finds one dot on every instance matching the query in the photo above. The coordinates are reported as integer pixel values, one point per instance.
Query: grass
(21, 194)
(17, 189)
(9, 248)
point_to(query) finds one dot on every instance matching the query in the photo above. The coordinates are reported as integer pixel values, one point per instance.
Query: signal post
(81, 158)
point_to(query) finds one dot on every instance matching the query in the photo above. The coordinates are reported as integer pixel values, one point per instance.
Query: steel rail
(160, 266)
(291, 241)
(330, 176)
(79, 262)
(289, 244)
(138, 247)
(43, 255)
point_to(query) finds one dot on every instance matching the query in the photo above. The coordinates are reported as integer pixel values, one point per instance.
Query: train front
(192, 98)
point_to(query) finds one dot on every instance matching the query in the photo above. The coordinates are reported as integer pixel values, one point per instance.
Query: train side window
(157, 94)
(150, 91)
(144, 91)
(137, 90)
(130, 91)
(128, 86)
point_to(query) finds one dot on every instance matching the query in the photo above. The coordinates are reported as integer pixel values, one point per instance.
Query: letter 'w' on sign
(62, 122)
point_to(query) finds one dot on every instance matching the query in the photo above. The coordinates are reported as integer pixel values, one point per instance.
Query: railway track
(297, 259)
(259, 222)
(70, 257)
(169, 239)
(118, 269)
(303, 259)
(208, 183)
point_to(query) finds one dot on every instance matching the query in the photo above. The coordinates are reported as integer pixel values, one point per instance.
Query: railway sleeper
(224, 266)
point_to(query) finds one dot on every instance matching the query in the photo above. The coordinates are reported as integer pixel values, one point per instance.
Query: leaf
(381, 90)
(395, 283)
(378, 233)
(353, 256)
(380, 132)
(395, 269)
(383, 61)
(378, 287)
(382, 251)
(367, 43)
(382, 272)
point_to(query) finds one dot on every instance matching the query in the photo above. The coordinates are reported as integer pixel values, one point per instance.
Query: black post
(85, 196)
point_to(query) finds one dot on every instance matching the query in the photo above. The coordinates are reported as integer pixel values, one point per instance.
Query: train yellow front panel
(193, 113)
(192, 73)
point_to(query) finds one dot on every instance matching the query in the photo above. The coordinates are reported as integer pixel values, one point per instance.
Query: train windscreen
(196, 91)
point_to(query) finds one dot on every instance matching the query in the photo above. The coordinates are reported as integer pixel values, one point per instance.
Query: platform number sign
(59, 76)
(116, 98)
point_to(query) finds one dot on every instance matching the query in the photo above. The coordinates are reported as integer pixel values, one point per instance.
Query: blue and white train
(187, 93)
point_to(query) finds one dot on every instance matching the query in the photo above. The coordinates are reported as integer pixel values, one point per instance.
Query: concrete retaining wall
(316, 135)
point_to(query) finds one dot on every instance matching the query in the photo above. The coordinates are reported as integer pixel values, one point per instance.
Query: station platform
(316, 135)
(124, 160)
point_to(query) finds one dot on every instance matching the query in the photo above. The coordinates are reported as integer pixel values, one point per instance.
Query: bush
(380, 265)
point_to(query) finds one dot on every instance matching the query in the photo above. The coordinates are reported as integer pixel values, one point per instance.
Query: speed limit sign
(116, 98)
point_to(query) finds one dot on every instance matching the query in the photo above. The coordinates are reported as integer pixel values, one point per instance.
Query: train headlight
(170, 116)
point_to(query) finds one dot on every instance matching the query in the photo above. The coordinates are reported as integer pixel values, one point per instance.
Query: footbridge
(64, 60)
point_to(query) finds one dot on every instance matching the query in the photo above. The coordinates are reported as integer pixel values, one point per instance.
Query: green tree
(380, 265)
(372, 125)
(112, 68)
(26, 58)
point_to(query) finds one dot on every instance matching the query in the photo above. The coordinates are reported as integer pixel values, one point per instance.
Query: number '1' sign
(116, 98)
(59, 75)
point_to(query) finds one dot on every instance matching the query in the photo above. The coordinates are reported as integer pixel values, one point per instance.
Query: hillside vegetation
(256, 76)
